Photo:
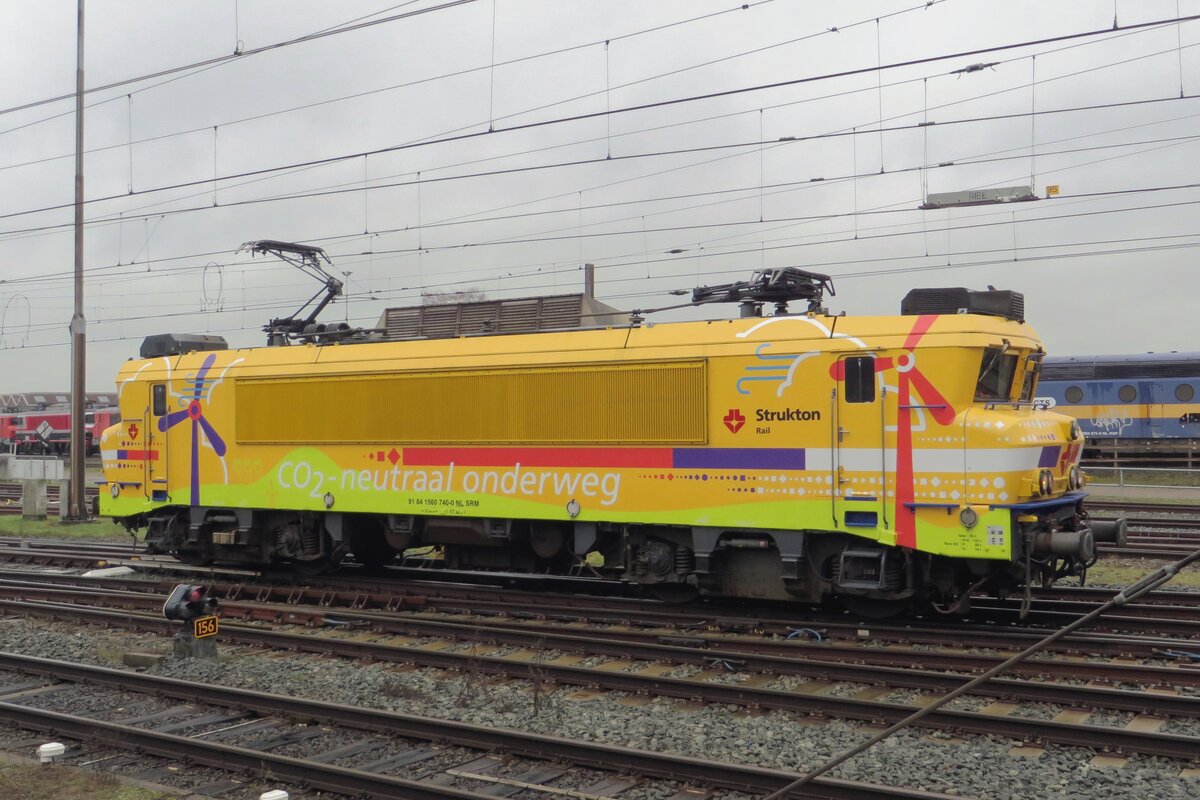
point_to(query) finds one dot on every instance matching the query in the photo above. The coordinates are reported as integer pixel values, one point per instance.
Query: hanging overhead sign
(979, 197)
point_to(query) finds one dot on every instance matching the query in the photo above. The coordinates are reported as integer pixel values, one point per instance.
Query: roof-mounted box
(174, 344)
(993, 302)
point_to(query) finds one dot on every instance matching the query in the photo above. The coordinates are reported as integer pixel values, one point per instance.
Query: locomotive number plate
(204, 626)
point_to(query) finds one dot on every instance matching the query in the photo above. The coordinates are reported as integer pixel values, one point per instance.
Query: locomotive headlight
(1076, 431)
(1045, 482)
(1075, 477)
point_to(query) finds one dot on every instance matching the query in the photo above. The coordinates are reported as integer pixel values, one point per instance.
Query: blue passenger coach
(1126, 397)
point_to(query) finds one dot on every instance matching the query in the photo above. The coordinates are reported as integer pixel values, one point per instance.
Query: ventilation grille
(995, 303)
(517, 315)
(659, 403)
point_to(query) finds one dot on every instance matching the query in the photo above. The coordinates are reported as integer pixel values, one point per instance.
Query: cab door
(860, 466)
(156, 444)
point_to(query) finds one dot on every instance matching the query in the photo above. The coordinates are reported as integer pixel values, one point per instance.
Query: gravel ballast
(970, 766)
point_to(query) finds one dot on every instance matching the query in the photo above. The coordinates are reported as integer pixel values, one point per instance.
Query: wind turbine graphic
(909, 378)
(195, 412)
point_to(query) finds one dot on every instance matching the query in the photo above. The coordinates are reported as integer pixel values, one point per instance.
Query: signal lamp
(187, 602)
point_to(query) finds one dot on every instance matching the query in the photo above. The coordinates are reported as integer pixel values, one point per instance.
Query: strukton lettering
(788, 415)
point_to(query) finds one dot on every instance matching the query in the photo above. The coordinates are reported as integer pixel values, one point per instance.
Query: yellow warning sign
(204, 626)
(1051, 190)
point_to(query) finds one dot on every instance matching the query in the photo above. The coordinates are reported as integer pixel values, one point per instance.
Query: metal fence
(1145, 477)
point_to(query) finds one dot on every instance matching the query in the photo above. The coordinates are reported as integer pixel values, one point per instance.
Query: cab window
(159, 399)
(860, 379)
(996, 375)
(1029, 385)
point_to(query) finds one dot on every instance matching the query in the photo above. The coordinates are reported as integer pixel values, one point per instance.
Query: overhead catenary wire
(336, 28)
(744, 145)
(228, 123)
(415, 292)
(236, 55)
(1076, 45)
(427, 224)
(142, 265)
(657, 104)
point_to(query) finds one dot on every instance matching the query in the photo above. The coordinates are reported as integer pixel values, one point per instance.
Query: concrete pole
(78, 506)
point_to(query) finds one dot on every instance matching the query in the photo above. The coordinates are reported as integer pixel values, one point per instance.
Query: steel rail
(593, 610)
(1148, 552)
(354, 783)
(1100, 594)
(530, 745)
(699, 642)
(734, 655)
(1023, 729)
(1132, 505)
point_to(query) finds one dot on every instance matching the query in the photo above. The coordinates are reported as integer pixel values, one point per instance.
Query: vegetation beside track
(101, 529)
(35, 782)
(1123, 572)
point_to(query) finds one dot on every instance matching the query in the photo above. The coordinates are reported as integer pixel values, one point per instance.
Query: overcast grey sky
(661, 198)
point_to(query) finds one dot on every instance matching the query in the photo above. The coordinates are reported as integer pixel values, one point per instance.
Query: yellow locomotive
(886, 461)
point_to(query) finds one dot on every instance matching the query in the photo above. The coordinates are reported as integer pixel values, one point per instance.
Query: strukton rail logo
(734, 420)
(787, 415)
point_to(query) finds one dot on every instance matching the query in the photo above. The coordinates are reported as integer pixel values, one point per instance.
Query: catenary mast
(78, 505)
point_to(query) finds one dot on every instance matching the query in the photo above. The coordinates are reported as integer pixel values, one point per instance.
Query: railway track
(1142, 507)
(347, 748)
(728, 672)
(769, 655)
(704, 689)
(1171, 613)
(727, 654)
(309, 605)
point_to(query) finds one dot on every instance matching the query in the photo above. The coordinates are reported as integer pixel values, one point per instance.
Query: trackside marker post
(189, 604)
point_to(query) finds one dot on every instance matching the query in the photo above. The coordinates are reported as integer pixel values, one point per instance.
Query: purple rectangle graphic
(1050, 455)
(738, 458)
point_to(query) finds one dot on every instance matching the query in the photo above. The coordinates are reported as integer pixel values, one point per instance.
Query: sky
(497, 145)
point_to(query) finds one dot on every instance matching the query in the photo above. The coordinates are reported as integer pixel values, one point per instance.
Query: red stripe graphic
(583, 457)
(137, 455)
